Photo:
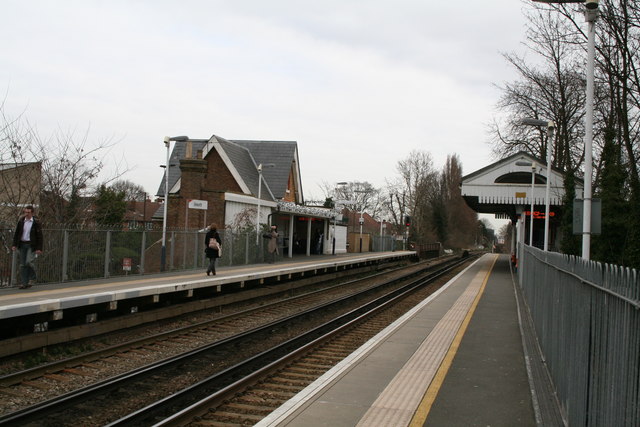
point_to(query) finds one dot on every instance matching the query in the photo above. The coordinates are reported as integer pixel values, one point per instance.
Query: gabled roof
(520, 155)
(282, 154)
(242, 158)
(178, 153)
(241, 164)
(503, 185)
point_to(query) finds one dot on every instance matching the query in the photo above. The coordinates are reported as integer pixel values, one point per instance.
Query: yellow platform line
(421, 414)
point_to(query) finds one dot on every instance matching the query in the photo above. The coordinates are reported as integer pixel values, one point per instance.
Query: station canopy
(503, 188)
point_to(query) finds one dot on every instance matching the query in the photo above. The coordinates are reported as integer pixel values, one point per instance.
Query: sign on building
(198, 204)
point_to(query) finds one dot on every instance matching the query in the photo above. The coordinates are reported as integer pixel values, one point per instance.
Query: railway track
(181, 371)
(270, 383)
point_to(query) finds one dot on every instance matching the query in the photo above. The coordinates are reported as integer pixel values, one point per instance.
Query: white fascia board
(231, 168)
(249, 200)
(298, 178)
(176, 186)
(214, 143)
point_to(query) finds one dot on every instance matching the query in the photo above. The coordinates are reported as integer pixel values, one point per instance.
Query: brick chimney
(192, 181)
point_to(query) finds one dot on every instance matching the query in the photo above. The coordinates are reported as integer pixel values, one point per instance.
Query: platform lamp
(260, 167)
(361, 216)
(533, 181)
(550, 130)
(163, 253)
(591, 16)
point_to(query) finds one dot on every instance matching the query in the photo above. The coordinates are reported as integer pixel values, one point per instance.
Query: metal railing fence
(587, 319)
(385, 243)
(79, 254)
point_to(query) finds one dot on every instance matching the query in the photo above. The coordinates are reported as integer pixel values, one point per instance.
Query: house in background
(371, 228)
(20, 186)
(141, 214)
(232, 178)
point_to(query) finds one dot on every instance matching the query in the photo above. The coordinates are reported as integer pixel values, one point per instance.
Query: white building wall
(490, 192)
(237, 204)
(341, 240)
(234, 209)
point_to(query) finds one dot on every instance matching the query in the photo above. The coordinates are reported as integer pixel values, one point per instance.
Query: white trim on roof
(249, 200)
(298, 178)
(227, 161)
(176, 187)
(482, 184)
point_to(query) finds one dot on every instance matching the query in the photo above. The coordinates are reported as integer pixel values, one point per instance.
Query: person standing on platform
(28, 240)
(272, 248)
(213, 248)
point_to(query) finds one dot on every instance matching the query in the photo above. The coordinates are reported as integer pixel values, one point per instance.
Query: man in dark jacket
(28, 239)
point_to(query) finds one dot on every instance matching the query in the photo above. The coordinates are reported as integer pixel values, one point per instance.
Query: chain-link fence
(82, 253)
(77, 254)
(385, 243)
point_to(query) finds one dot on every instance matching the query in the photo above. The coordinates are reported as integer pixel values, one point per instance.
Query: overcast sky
(358, 84)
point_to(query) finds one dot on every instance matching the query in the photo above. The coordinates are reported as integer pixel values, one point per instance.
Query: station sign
(198, 204)
(596, 216)
(539, 215)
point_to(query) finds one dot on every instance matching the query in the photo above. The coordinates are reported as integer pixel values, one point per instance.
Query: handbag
(213, 244)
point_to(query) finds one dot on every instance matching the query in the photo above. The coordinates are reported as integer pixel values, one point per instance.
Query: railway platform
(72, 310)
(466, 356)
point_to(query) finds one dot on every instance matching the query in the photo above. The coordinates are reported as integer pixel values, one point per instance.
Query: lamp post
(335, 218)
(591, 16)
(533, 181)
(361, 221)
(361, 216)
(163, 253)
(260, 166)
(550, 129)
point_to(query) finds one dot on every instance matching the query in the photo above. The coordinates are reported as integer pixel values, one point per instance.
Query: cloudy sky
(358, 84)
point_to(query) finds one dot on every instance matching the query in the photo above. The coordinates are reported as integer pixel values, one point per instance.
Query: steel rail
(310, 339)
(43, 409)
(72, 362)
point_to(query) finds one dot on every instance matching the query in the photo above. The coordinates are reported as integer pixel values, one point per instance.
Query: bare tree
(550, 88)
(132, 192)
(70, 168)
(69, 164)
(419, 181)
(361, 196)
(461, 220)
(553, 89)
(19, 172)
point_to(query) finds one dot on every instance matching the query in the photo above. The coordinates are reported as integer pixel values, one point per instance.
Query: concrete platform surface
(454, 360)
(59, 296)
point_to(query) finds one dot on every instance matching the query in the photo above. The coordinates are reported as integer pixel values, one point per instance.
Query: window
(519, 178)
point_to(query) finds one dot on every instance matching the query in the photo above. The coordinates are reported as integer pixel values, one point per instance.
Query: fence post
(142, 250)
(185, 237)
(246, 252)
(172, 249)
(196, 253)
(107, 254)
(14, 267)
(65, 256)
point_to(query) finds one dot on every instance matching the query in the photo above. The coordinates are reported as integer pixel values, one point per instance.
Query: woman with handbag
(213, 248)
(272, 247)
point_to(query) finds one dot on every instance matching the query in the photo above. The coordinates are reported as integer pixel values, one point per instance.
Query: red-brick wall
(208, 180)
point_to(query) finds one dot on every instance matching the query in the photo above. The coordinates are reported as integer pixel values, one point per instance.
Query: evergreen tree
(439, 214)
(610, 246)
(632, 249)
(569, 243)
(110, 206)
